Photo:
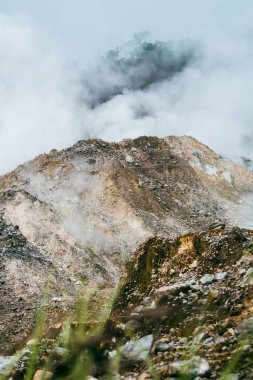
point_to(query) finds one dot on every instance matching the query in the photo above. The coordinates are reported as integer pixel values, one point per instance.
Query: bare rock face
(23, 275)
(199, 328)
(85, 209)
(172, 319)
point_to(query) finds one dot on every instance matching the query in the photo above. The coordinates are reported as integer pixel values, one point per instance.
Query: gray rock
(137, 350)
(152, 306)
(162, 346)
(138, 309)
(5, 362)
(208, 341)
(112, 354)
(129, 159)
(216, 225)
(207, 279)
(221, 276)
(146, 301)
(196, 366)
(172, 289)
(132, 325)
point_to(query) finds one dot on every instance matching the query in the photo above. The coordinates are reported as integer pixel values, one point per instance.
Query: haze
(51, 54)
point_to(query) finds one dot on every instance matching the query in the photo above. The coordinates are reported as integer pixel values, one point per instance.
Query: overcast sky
(50, 58)
(88, 27)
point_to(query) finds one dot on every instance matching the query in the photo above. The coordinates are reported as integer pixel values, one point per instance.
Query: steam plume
(138, 65)
(200, 88)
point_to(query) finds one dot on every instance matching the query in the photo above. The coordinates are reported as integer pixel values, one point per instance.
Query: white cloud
(37, 94)
(40, 110)
(210, 100)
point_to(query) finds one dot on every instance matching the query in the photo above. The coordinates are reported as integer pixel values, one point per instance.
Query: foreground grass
(74, 355)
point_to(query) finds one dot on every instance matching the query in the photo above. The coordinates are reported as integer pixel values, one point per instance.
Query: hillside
(184, 310)
(72, 219)
(193, 298)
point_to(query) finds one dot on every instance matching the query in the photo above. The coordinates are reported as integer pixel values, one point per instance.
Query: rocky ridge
(85, 209)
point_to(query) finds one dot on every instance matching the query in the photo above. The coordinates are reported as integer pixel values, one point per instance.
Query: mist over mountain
(139, 65)
(200, 88)
(126, 182)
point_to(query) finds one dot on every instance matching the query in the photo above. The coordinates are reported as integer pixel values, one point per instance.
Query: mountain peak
(85, 209)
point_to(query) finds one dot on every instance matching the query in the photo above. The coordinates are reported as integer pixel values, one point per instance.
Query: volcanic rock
(70, 220)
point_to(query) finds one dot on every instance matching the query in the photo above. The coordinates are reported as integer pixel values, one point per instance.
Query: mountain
(71, 220)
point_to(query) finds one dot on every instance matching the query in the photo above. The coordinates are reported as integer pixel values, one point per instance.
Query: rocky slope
(83, 211)
(19, 260)
(184, 311)
(193, 298)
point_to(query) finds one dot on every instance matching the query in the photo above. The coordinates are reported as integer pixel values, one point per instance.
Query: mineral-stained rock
(70, 221)
(215, 322)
